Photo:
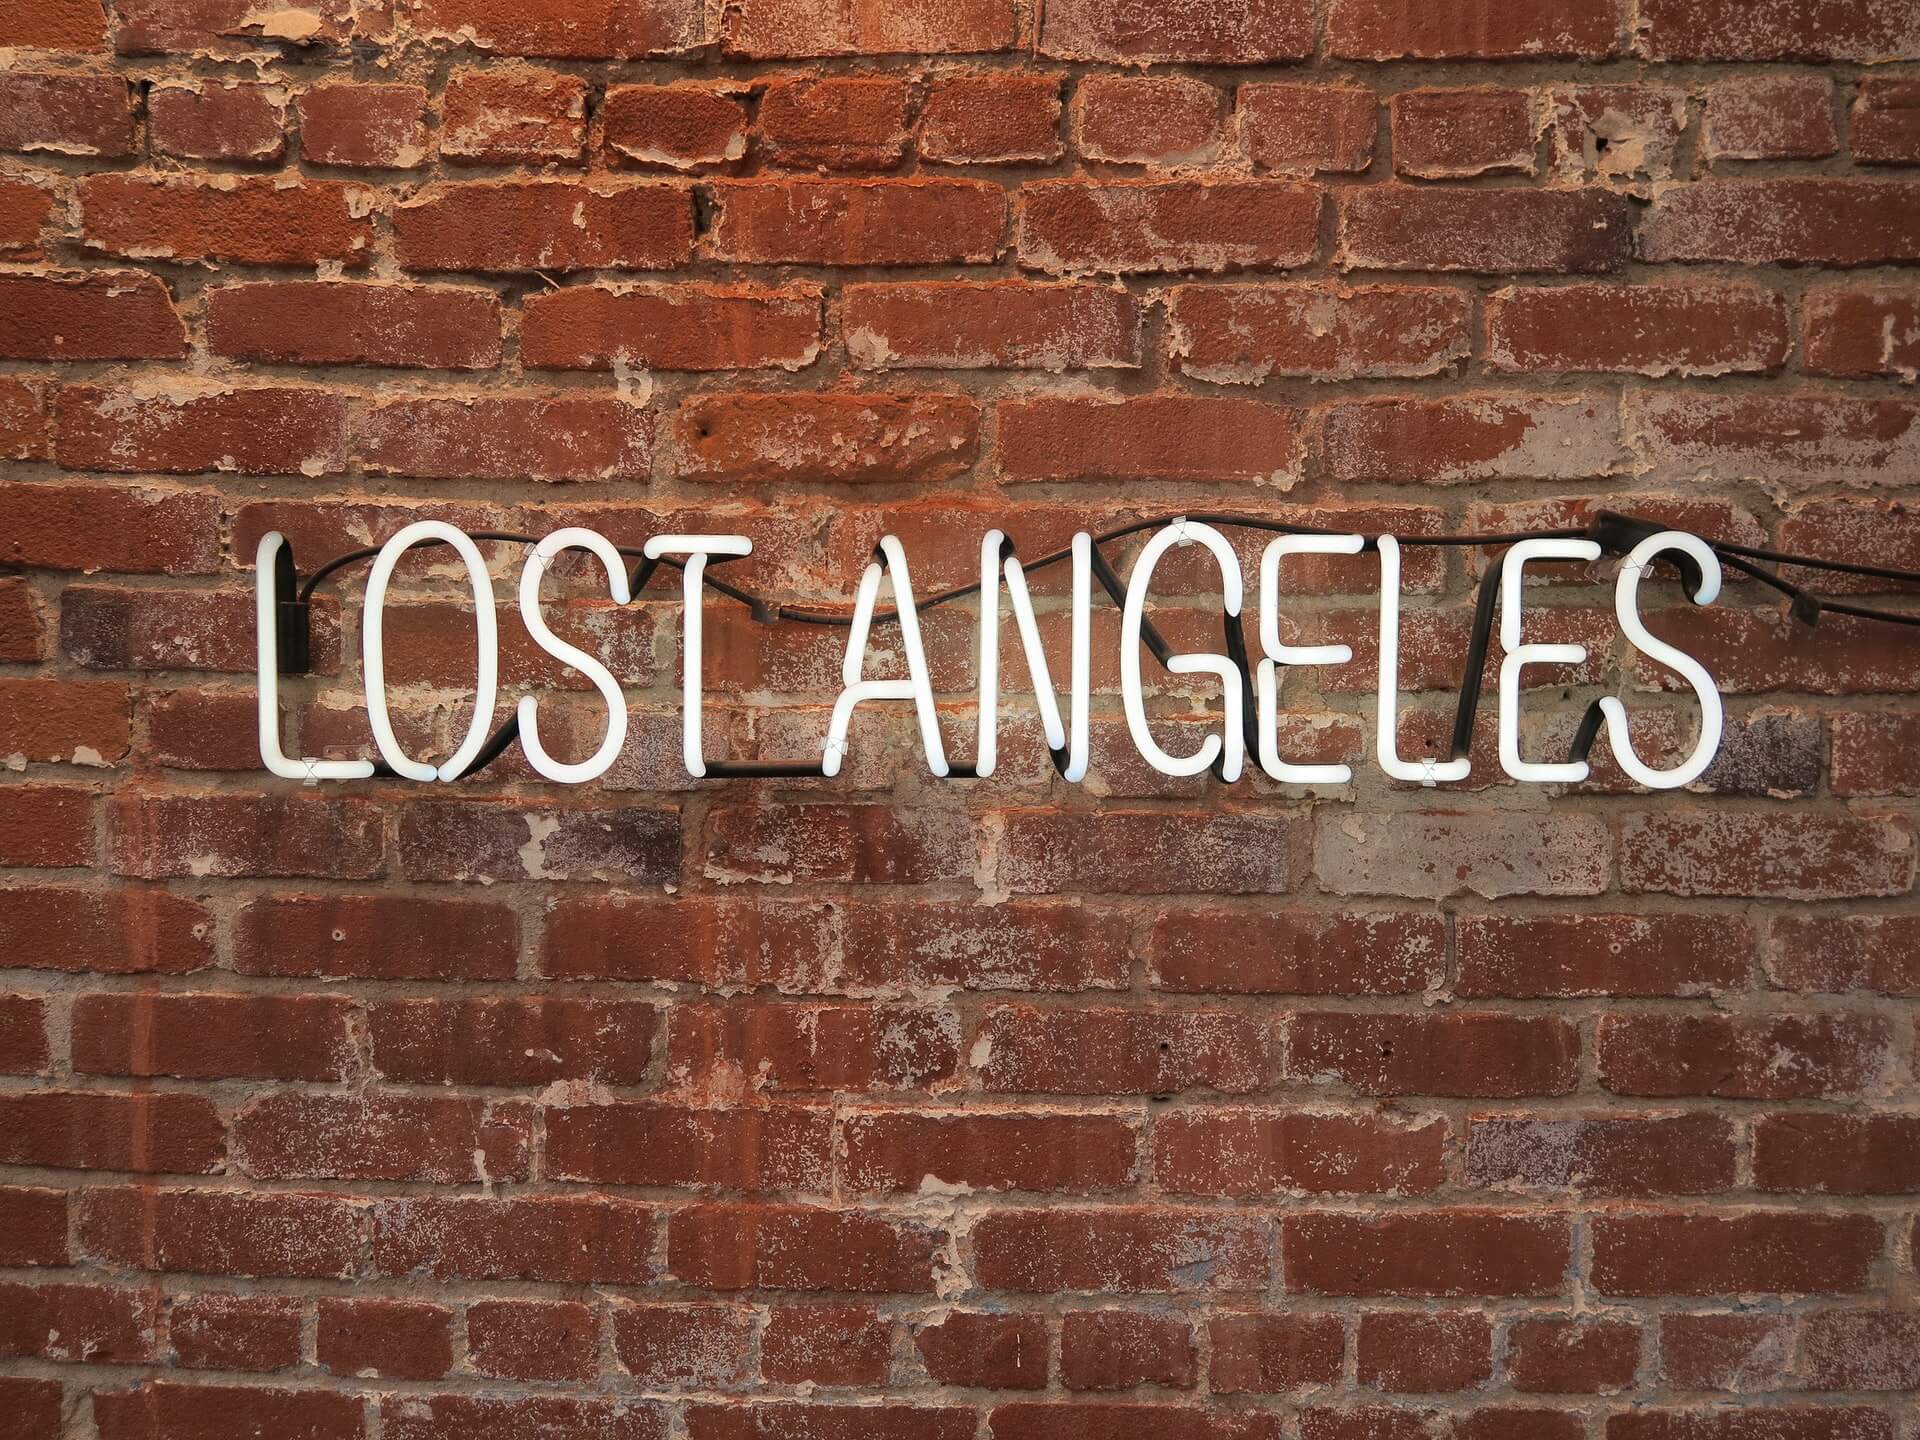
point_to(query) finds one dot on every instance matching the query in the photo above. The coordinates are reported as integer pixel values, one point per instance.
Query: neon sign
(1247, 719)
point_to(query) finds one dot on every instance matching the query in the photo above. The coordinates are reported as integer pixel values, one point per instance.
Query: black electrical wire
(1615, 532)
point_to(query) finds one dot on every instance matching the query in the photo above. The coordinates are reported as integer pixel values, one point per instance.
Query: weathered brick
(1168, 436)
(1245, 334)
(364, 126)
(1884, 123)
(992, 118)
(168, 1408)
(1862, 331)
(642, 1143)
(771, 30)
(1805, 221)
(1811, 857)
(578, 30)
(1845, 952)
(740, 1247)
(1425, 1352)
(1799, 30)
(1688, 1154)
(209, 1036)
(513, 114)
(342, 323)
(509, 225)
(255, 220)
(1638, 329)
(1482, 29)
(217, 120)
(401, 1339)
(1119, 1349)
(1837, 1154)
(440, 1139)
(1556, 1356)
(1761, 1252)
(256, 430)
(214, 1331)
(1131, 227)
(1435, 855)
(222, 1232)
(965, 325)
(688, 327)
(1456, 134)
(1122, 1251)
(1788, 1057)
(70, 113)
(1770, 117)
(897, 1152)
(1428, 1253)
(1307, 129)
(1122, 1052)
(857, 222)
(533, 1339)
(835, 122)
(575, 1239)
(756, 439)
(573, 435)
(684, 126)
(1476, 437)
(1407, 227)
(1258, 1152)
(1295, 952)
(153, 836)
(1479, 1053)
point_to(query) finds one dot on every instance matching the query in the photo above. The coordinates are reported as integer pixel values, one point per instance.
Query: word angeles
(1248, 719)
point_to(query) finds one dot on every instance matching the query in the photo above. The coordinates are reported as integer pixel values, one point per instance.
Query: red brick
(1430, 1252)
(533, 1339)
(1862, 331)
(75, 25)
(355, 324)
(1130, 227)
(1770, 117)
(1786, 1057)
(961, 325)
(126, 931)
(362, 126)
(24, 211)
(836, 122)
(168, 1410)
(579, 30)
(205, 1037)
(448, 1141)
(154, 836)
(1256, 1152)
(1307, 129)
(797, 1048)
(1453, 134)
(1244, 334)
(674, 127)
(1120, 1251)
(1772, 1423)
(68, 114)
(1406, 227)
(1088, 1421)
(33, 1226)
(1726, 1352)
(1553, 1356)
(392, 1338)
(72, 526)
(1837, 1154)
(1763, 1252)
(1861, 1350)
(1479, 437)
(993, 118)
(825, 1345)
(1845, 952)
(255, 431)
(1123, 1052)
(1638, 329)
(1166, 436)
(1295, 953)
(96, 315)
(23, 1035)
(575, 1239)
(1802, 857)
(47, 826)
(513, 114)
(772, 30)
(857, 222)
(212, 1331)
(1608, 1154)
(1147, 120)
(1274, 1354)
(1803, 221)
(1749, 651)
(991, 1351)
(1425, 1352)
(202, 729)
(556, 225)
(533, 1417)
(695, 938)
(386, 937)
(1147, 30)
(222, 1232)
(570, 436)
(1563, 956)
(255, 220)
(1797, 30)
(643, 1143)
(1119, 1349)
(80, 722)
(193, 119)
(913, 1153)
(1481, 1053)
(1884, 128)
(511, 1041)
(757, 439)
(25, 424)
(1480, 30)
(697, 1346)
(743, 1247)
(115, 629)
(688, 327)
(23, 627)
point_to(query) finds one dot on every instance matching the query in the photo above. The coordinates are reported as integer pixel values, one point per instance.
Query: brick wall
(886, 1108)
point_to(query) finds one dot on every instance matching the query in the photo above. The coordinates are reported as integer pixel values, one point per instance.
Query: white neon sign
(1002, 576)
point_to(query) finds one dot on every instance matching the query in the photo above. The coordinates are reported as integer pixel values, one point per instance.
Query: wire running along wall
(1611, 532)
